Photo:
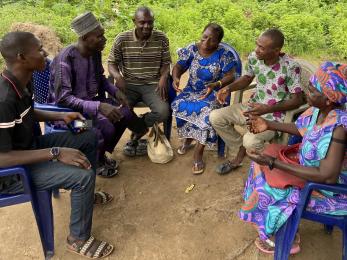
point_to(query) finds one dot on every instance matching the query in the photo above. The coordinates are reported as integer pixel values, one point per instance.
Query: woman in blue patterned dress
(210, 67)
(322, 157)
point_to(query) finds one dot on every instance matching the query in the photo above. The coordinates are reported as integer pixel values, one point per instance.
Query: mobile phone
(77, 126)
(86, 124)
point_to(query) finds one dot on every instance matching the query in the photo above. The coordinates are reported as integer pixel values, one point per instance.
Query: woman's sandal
(102, 198)
(198, 167)
(268, 247)
(184, 148)
(92, 248)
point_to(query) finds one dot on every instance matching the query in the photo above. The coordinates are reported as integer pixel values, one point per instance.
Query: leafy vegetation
(316, 28)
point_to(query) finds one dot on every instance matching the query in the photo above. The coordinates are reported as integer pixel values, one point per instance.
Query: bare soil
(152, 217)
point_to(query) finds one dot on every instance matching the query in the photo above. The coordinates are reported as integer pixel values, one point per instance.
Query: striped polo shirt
(140, 61)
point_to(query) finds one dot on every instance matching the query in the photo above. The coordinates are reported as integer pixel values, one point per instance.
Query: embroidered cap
(84, 24)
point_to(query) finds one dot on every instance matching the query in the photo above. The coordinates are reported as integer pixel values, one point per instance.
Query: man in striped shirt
(140, 63)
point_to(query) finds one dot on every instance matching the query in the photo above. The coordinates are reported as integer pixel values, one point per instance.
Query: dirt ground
(152, 217)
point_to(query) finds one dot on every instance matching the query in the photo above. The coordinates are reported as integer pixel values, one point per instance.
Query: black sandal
(92, 248)
(226, 167)
(106, 172)
(135, 148)
(104, 198)
(109, 162)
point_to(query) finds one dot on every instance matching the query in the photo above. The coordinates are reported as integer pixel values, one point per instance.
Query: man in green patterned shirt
(278, 90)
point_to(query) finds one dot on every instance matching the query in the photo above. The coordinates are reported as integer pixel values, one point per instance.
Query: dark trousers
(148, 95)
(55, 175)
(109, 133)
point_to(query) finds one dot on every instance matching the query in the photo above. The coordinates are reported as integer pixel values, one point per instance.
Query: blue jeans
(54, 175)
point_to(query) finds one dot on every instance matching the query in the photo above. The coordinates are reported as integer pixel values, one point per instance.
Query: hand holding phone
(78, 126)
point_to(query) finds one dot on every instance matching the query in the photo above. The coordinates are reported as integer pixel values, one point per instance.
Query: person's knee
(89, 138)
(251, 142)
(216, 118)
(162, 112)
(85, 178)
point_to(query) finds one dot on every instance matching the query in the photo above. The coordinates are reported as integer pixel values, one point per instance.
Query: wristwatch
(55, 152)
(271, 164)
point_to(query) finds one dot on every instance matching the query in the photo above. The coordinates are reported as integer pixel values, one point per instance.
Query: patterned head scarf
(84, 24)
(331, 80)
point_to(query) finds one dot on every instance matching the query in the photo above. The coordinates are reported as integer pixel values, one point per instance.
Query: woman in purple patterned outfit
(322, 157)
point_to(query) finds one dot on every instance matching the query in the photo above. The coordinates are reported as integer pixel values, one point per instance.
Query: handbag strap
(158, 134)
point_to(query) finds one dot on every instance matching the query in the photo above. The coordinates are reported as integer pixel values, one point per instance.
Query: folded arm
(329, 168)
(296, 99)
(11, 158)
(43, 116)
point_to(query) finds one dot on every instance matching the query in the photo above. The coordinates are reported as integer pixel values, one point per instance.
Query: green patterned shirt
(275, 83)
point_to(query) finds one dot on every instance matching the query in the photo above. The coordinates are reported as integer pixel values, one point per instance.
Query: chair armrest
(53, 108)
(306, 192)
(12, 171)
(291, 113)
(337, 188)
(22, 172)
(238, 95)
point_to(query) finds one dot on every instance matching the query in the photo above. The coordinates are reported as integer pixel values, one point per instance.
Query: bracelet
(271, 164)
(220, 83)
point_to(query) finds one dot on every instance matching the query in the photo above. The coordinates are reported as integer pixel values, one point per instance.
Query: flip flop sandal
(198, 167)
(106, 172)
(226, 167)
(184, 148)
(268, 247)
(92, 248)
(104, 196)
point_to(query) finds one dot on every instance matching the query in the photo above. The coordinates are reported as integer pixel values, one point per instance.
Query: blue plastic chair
(286, 234)
(220, 142)
(41, 202)
(40, 81)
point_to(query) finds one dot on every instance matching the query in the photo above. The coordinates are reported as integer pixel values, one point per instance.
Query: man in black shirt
(60, 160)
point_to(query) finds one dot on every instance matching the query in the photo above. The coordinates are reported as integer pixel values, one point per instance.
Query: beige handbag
(158, 148)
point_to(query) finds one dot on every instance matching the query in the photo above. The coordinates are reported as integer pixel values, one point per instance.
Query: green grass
(314, 29)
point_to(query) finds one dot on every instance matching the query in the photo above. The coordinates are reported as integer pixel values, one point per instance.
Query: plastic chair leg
(344, 242)
(168, 126)
(42, 207)
(328, 229)
(56, 193)
(285, 237)
(221, 147)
